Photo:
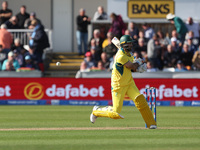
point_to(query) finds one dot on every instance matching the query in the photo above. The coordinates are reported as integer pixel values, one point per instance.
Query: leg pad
(107, 112)
(142, 105)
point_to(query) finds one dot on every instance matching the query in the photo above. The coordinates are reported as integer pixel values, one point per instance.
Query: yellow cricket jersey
(121, 76)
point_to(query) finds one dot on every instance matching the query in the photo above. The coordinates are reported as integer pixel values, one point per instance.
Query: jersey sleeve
(122, 59)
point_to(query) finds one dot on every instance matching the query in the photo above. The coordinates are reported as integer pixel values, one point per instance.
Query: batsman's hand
(139, 61)
(142, 68)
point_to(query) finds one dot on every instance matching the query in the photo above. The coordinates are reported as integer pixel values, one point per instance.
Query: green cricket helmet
(125, 42)
(125, 39)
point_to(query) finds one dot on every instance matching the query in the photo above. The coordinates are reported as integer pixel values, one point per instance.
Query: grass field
(69, 128)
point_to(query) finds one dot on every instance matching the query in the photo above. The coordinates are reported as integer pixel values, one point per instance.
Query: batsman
(123, 84)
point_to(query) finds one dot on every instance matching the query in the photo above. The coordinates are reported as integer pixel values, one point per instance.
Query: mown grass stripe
(97, 128)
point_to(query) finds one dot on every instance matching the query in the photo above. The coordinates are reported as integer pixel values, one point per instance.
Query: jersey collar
(126, 53)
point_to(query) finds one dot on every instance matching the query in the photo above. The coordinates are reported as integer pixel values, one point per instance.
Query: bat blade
(116, 42)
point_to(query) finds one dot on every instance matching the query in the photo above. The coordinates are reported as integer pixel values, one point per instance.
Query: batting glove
(142, 68)
(139, 61)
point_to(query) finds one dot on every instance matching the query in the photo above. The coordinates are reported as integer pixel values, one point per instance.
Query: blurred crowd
(177, 51)
(13, 55)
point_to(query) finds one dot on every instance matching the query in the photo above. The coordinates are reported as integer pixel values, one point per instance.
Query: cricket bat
(116, 42)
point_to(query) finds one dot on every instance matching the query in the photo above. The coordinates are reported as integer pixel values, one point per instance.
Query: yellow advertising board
(150, 8)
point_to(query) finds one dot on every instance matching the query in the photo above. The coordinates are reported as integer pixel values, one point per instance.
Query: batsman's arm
(132, 66)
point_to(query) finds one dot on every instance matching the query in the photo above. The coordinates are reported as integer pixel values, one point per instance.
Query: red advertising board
(92, 89)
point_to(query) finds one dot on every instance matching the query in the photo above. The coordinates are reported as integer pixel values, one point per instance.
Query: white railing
(23, 35)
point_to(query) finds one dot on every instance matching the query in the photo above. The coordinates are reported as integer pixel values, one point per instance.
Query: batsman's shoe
(93, 117)
(152, 127)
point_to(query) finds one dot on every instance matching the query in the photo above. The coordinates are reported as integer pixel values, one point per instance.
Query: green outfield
(69, 128)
